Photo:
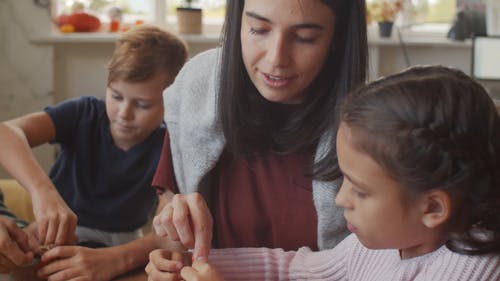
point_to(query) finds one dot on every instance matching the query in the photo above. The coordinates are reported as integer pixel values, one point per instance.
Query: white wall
(80, 67)
(392, 59)
(26, 76)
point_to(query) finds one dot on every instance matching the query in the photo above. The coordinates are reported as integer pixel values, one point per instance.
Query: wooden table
(136, 275)
(23, 273)
(27, 274)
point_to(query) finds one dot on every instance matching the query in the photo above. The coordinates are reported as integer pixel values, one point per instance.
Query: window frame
(160, 17)
(407, 25)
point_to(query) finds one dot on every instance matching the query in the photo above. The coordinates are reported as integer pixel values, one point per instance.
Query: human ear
(436, 207)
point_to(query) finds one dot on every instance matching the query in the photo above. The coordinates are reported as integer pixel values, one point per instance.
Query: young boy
(108, 154)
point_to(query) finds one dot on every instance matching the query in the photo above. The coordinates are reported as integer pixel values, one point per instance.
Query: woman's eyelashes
(306, 40)
(257, 31)
(297, 37)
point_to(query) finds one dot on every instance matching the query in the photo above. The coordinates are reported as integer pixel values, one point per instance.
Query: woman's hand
(162, 267)
(14, 246)
(200, 271)
(56, 222)
(186, 218)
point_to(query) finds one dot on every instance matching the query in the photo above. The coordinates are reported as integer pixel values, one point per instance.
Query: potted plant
(189, 18)
(384, 12)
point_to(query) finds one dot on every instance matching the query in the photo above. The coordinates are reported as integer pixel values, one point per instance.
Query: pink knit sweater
(350, 260)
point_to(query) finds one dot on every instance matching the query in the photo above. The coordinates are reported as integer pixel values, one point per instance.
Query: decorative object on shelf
(81, 22)
(115, 18)
(42, 3)
(189, 18)
(384, 12)
(470, 20)
(385, 28)
(78, 20)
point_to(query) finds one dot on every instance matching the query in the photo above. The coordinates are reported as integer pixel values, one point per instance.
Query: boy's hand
(200, 271)
(77, 263)
(32, 236)
(56, 222)
(14, 246)
(186, 218)
(35, 244)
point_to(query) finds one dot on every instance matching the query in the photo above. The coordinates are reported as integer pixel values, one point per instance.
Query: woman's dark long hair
(246, 116)
(436, 128)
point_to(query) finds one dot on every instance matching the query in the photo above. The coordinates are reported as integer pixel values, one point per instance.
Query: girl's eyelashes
(354, 190)
(358, 193)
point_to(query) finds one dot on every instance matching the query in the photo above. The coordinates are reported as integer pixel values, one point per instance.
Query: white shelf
(409, 39)
(107, 37)
(415, 41)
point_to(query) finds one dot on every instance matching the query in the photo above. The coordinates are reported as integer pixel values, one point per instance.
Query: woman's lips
(124, 128)
(275, 81)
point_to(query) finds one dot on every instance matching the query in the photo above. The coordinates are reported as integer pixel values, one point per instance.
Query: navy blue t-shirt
(109, 189)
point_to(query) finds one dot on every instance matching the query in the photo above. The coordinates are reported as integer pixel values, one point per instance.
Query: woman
(247, 128)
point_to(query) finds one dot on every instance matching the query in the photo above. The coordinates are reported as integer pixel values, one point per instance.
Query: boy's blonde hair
(145, 50)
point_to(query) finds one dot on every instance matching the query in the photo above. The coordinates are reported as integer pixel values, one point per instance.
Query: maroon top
(263, 202)
(164, 177)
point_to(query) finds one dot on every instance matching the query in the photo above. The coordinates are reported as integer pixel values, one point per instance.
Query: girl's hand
(56, 222)
(186, 218)
(200, 271)
(161, 267)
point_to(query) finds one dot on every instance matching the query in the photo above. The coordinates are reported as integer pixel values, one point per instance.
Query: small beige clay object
(43, 248)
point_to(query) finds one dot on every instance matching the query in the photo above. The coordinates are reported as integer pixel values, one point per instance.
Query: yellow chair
(17, 199)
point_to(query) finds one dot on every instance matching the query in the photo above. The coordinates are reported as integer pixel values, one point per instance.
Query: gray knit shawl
(197, 141)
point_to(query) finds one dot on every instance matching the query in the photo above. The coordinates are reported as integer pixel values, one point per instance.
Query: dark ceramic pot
(385, 28)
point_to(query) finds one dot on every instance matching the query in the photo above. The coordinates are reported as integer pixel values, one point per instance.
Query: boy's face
(375, 206)
(134, 109)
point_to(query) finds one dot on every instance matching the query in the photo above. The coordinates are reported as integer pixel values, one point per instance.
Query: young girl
(420, 156)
